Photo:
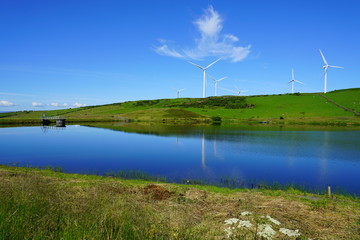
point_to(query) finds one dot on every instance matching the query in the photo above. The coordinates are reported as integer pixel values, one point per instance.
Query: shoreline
(342, 122)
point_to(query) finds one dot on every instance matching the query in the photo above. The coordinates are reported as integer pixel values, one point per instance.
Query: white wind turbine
(204, 74)
(238, 92)
(178, 91)
(326, 66)
(293, 80)
(216, 83)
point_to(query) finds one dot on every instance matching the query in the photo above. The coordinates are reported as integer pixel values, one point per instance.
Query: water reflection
(46, 128)
(203, 163)
(314, 158)
(324, 157)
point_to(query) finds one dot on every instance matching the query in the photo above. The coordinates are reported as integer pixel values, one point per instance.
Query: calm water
(315, 158)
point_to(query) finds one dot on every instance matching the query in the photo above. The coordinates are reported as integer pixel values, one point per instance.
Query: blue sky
(60, 54)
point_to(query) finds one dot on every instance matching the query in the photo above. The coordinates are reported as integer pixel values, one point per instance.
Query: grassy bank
(43, 204)
(308, 108)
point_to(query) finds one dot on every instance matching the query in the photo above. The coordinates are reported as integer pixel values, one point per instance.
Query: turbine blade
(197, 65)
(225, 89)
(211, 77)
(182, 89)
(292, 74)
(335, 66)
(212, 63)
(237, 88)
(221, 79)
(291, 81)
(322, 55)
(298, 81)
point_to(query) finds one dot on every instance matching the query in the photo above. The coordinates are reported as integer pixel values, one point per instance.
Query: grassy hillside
(43, 204)
(287, 108)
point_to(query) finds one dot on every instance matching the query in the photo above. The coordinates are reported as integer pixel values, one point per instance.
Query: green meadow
(304, 108)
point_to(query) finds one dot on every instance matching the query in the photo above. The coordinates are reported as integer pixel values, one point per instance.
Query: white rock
(273, 220)
(231, 220)
(266, 231)
(246, 224)
(246, 213)
(290, 233)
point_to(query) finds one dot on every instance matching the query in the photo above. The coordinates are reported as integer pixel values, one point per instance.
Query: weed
(135, 174)
(319, 204)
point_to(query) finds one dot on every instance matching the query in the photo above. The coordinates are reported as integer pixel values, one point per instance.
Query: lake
(314, 158)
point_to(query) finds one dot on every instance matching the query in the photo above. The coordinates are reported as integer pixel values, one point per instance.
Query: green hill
(340, 106)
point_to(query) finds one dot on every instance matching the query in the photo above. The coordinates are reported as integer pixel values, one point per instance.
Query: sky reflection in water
(313, 158)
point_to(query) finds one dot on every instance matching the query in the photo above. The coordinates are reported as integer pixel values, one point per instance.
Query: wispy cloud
(212, 41)
(37, 104)
(79, 104)
(55, 104)
(4, 103)
(58, 71)
(16, 94)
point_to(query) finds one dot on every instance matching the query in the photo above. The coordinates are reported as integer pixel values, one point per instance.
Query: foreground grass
(42, 204)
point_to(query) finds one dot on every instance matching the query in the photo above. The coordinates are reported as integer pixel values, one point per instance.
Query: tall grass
(35, 207)
(136, 174)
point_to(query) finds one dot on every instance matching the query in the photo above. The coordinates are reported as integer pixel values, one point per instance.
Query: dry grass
(56, 205)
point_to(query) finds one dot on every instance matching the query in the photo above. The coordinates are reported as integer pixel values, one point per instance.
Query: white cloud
(211, 43)
(166, 51)
(54, 104)
(37, 104)
(210, 23)
(79, 104)
(4, 103)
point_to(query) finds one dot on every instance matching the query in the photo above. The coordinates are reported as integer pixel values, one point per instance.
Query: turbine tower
(204, 74)
(293, 80)
(178, 92)
(216, 83)
(326, 66)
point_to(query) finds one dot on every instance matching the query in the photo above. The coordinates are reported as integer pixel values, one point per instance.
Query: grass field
(286, 108)
(43, 204)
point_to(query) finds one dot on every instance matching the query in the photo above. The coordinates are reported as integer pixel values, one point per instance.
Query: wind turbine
(326, 66)
(238, 92)
(216, 83)
(178, 91)
(204, 74)
(293, 80)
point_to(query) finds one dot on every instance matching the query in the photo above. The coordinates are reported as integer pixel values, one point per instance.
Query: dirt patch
(157, 192)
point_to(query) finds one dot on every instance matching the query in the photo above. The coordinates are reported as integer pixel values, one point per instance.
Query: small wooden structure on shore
(59, 121)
